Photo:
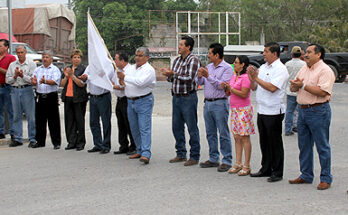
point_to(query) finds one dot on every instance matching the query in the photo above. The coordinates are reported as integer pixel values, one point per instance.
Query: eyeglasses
(139, 55)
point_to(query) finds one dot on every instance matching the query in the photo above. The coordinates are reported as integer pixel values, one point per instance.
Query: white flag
(100, 67)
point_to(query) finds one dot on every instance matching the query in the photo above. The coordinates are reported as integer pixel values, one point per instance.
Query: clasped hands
(18, 72)
(33, 80)
(68, 72)
(253, 73)
(296, 84)
(202, 72)
(167, 72)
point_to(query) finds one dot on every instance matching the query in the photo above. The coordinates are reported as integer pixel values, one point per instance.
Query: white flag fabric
(100, 67)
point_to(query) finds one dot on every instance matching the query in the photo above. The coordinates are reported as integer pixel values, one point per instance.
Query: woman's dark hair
(243, 59)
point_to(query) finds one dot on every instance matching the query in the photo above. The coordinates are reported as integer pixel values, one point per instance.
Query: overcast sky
(46, 1)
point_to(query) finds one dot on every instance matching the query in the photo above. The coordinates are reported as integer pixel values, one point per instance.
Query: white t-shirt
(139, 81)
(272, 103)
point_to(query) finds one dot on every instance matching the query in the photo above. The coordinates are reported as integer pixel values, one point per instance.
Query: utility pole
(9, 6)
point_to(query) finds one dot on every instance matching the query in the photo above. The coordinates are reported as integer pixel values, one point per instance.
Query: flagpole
(96, 29)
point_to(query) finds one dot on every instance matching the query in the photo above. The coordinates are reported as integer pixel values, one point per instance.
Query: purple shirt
(212, 85)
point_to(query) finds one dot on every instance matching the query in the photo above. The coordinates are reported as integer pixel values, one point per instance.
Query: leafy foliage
(124, 23)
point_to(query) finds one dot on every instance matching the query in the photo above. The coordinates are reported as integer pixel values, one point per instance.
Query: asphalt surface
(47, 181)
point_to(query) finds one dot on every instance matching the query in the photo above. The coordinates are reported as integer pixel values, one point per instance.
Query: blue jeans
(185, 112)
(140, 121)
(5, 99)
(100, 107)
(23, 101)
(313, 127)
(216, 120)
(291, 104)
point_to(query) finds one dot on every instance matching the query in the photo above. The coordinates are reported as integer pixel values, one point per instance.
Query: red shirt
(5, 63)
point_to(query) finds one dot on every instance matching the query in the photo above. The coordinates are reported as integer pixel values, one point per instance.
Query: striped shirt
(185, 72)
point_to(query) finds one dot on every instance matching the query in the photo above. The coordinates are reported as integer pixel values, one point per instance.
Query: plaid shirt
(185, 72)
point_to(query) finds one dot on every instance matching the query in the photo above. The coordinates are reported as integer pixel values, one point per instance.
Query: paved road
(45, 181)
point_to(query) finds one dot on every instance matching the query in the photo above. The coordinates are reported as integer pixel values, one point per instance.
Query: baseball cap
(296, 49)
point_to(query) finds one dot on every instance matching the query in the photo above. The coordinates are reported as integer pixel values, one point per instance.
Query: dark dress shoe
(144, 159)
(2, 136)
(104, 151)
(80, 148)
(119, 152)
(94, 149)
(70, 147)
(36, 145)
(131, 152)
(31, 144)
(260, 174)
(15, 143)
(274, 178)
(208, 164)
(56, 147)
(223, 167)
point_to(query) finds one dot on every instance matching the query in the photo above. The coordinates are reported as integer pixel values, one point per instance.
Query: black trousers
(271, 144)
(74, 118)
(123, 126)
(47, 112)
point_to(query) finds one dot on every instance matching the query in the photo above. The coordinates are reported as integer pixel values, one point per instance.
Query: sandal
(236, 168)
(244, 171)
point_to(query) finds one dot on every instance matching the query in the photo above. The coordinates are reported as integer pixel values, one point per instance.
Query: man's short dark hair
(273, 47)
(217, 48)
(6, 43)
(122, 55)
(188, 42)
(318, 48)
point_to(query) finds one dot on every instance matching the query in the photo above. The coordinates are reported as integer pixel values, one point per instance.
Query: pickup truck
(35, 56)
(338, 62)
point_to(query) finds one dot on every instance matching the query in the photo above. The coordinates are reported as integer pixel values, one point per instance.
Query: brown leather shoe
(190, 162)
(144, 159)
(323, 186)
(177, 159)
(208, 164)
(135, 156)
(299, 181)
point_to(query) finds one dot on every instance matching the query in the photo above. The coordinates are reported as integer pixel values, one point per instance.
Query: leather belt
(45, 95)
(22, 86)
(183, 94)
(98, 96)
(121, 98)
(139, 97)
(312, 105)
(215, 99)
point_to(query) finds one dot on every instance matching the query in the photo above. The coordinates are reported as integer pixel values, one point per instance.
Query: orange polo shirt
(321, 75)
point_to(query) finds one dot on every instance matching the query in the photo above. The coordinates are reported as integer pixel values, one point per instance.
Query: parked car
(338, 62)
(35, 56)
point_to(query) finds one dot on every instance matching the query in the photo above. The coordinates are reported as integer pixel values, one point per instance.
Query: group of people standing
(313, 83)
(225, 88)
